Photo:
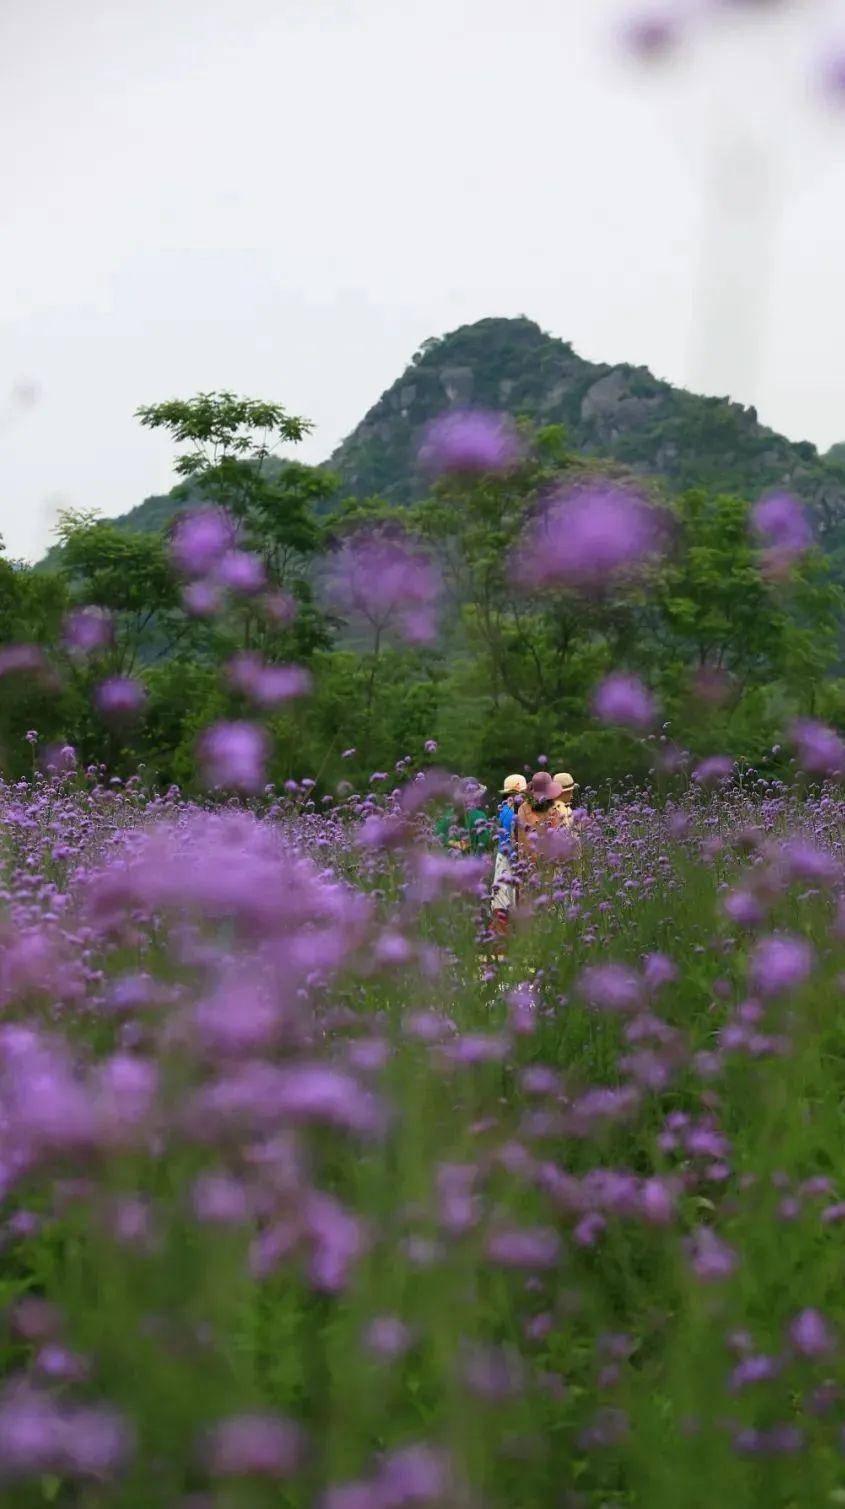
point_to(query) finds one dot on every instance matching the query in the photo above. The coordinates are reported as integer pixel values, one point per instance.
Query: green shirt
(478, 828)
(472, 833)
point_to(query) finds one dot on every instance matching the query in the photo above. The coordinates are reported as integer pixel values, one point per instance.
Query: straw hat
(514, 785)
(470, 792)
(565, 780)
(541, 785)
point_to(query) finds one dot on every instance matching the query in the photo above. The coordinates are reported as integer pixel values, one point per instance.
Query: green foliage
(218, 427)
(32, 605)
(130, 576)
(712, 601)
(514, 675)
(184, 697)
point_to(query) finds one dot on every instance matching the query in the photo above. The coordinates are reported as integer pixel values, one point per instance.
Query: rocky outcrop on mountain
(622, 412)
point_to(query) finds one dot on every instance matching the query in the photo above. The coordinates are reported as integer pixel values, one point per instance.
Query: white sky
(285, 197)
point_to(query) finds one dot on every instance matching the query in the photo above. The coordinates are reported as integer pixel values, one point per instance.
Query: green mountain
(622, 412)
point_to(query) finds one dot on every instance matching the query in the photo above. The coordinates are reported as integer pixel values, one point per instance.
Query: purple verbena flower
(200, 539)
(820, 751)
(120, 699)
(713, 771)
(389, 581)
(658, 971)
(233, 756)
(470, 442)
(87, 630)
(413, 1477)
(754, 1369)
(624, 700)
(612, 987)
(387, 1337)
(651, 35)
(268, 685)
(710, 1257)
(533, 1248)
(783, 530)
(744, 908)
(780, 963)
(242, 572)
(219, 1199)
(589, 539)
(255, 1445)
(202, 598)
(811, 1334)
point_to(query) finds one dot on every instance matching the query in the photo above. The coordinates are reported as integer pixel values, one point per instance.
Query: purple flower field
(309, 1198)
(393, 1116)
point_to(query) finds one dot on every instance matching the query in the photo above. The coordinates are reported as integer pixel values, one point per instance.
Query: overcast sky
(285, 197)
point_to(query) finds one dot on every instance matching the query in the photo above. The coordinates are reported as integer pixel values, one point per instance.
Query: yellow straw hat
(565, 780)
(514, 785)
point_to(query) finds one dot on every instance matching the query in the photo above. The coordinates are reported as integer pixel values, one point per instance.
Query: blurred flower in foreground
(470, 442)
(389, 582)
(413, 1475)
(612, 987)
(713, 771)
(260, 1445)
(623, 699)
(387, 1337)
(811, 1335)
(711, 1258)
(651, 35)
(820, 750)
(87, 630)
(833, 76)
(233, 755)
(200, 540)
(242, 572)
(268, 685)
(780, 963)
(119, 699)
(39, 1436)
(58, 759)
(590, 539)
(783, 530)
(202, 599)
(21, 658)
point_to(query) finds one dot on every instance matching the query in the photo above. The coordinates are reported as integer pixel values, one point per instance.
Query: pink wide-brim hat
(544, 787)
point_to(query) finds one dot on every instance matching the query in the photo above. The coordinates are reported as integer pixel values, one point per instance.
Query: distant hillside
(154, 514)
(623, 412)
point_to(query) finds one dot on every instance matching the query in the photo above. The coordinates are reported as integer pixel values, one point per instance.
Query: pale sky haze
(285, 197)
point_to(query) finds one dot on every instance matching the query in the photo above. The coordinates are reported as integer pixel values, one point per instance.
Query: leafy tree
(130, 576)
(32, 606)
(184, 696)
(219, 430)
(713, 608)
(277, 505)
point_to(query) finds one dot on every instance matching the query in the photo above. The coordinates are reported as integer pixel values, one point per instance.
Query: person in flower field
(538, 814)
(504, 897)
(563, 805)
(478, 825)
(567, 821)
(469, 829)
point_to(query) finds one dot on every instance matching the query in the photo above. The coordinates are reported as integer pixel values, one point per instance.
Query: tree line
(730, 654)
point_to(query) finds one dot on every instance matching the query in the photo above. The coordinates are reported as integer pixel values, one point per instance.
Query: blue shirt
(507, 821)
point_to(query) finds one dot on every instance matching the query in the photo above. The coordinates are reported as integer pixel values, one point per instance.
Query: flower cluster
(389, 582)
